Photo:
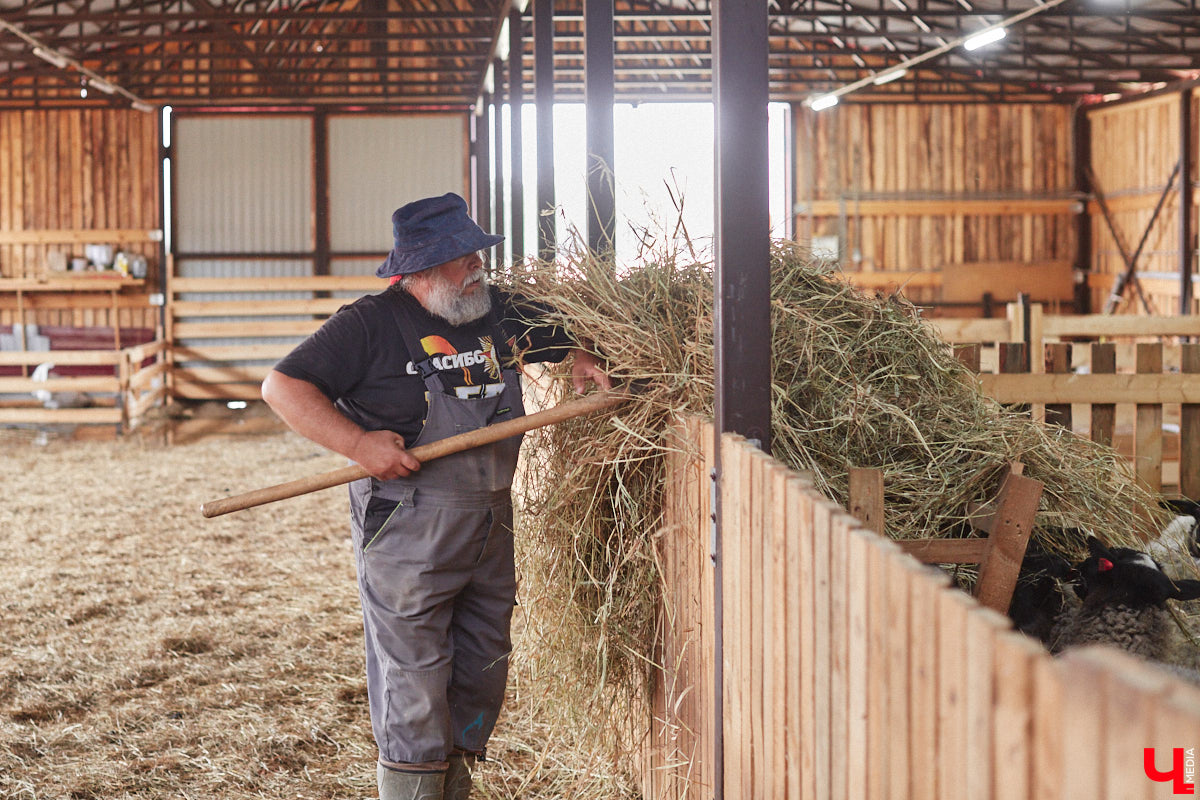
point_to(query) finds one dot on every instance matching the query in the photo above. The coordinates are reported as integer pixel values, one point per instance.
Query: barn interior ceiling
(437, 53)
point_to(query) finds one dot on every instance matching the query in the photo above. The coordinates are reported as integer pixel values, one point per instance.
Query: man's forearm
(308, 412)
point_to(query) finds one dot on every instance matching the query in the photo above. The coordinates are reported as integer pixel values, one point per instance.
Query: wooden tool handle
(425, 452)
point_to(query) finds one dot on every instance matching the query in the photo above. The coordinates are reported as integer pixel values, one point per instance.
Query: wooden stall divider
(754, 761)
(983, 628)
(1104, 415)
(1058, 362)
(968, 355)
(924, 619)
(1148, 446)
(1189, 428)
(779, 669)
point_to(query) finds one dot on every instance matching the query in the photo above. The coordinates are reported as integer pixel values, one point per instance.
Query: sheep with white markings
(1124, 596)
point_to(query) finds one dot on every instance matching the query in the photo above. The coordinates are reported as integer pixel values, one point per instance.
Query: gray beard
(449, 303)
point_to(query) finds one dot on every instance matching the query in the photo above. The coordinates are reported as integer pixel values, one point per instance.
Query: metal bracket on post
(712, 514)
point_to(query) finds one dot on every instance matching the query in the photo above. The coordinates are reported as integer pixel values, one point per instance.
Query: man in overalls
(432, 356)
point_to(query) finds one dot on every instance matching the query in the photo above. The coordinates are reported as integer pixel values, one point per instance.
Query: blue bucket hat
(432, 231)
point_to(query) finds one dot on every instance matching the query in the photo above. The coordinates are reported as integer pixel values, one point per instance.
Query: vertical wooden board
(775, 701)
(951, 729)
(1014, 657)
(822, 666)
(878, 702)
(1058, 362)
(923, 692)
(1104, 415)
(1189, 428)
(1148, 448)
(759, 597)
(804, 532)
(792, 599)
(707, 608)
(839, 635)
(866, 497)
(901, 572)
(1135, 691)
(1047, 747)
(983, 629)
(858, 756)
(728, 525)
(1084, 728)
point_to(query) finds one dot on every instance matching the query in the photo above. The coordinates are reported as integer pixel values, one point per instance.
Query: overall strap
(402, 309)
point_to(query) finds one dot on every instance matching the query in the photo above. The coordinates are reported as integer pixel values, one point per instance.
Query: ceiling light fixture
(985, 38)
(908, 63)
(103, 85)
(823, 102)
(887, 76)
(53, 56)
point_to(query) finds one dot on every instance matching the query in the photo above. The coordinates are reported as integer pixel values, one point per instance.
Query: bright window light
(981, 39)
(823, 102)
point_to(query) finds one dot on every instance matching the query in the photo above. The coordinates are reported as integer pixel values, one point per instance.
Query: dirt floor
(148, 652)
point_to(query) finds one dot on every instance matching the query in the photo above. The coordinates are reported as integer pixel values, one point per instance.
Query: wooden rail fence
(852, 671)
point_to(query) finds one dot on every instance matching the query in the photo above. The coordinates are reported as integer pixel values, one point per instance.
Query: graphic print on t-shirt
(474, 383)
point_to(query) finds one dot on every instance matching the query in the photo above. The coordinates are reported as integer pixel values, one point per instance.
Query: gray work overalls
(434, 555)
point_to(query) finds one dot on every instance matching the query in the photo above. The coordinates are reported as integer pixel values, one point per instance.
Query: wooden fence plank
(1084, 728)
(1058, 362)
(901, 572)
(839, 636)
(879, 616)
(822, 653)
(866, 497)
(755, 677)
(1148, 448)
(1104, 412)
(1012, 725)
(775, 693)
(859, 758)
(1189, 428)
(1049, 727)
(804, 555)
(923, 622)
(1148, 388)
(952, 606)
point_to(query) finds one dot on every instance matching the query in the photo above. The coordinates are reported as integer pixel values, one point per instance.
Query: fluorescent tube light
(54, 57)
(103, 85)
(888, 77)
(981, 39)
(138, 105)
(823, 102)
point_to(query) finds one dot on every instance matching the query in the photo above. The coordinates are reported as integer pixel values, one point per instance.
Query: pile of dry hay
(858, 381)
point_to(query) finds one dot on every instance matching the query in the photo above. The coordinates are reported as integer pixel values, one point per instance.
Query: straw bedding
(857, 381)
(146, 652)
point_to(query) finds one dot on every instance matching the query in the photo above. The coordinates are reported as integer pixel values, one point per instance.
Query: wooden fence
(225, 336)
(852, 671)
(129, 382)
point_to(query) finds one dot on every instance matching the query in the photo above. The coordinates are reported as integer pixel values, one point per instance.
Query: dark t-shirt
(359, 360)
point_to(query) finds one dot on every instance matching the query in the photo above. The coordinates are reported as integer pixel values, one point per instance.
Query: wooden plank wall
(852, 671)
(1135, 146)
(955, 184)
(68, 171)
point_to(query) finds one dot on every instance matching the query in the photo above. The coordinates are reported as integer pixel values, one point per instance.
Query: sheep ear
(1186, 590)
(1097, 548)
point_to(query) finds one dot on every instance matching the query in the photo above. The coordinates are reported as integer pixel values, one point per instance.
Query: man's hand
(586, 367)
(382, 454)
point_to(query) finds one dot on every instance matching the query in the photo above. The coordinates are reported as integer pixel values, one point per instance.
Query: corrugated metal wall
(243, 184)
(377, 164)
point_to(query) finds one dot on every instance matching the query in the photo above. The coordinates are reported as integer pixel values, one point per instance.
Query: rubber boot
(397, 785)
(458, 776)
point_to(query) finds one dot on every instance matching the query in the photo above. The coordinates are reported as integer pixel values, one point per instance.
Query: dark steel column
(1187, 158)
(516, 99)
(321, 192)
(742, 291)
(599, 90)
(482, 207)
(1083, 224)
(498, 149)
(543, 76)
